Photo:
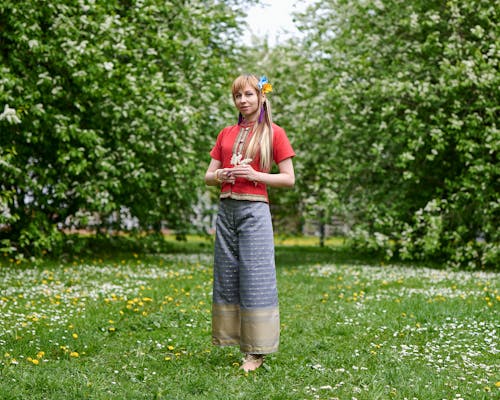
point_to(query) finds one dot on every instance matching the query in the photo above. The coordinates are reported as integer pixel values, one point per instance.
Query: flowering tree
(397, 112)
(106, 107)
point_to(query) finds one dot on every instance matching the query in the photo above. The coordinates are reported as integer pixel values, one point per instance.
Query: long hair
(262, 138)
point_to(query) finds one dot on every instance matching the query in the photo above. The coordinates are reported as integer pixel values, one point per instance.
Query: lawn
(137, 326)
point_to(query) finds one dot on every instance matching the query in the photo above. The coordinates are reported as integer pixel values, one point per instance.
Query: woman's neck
(248, 122)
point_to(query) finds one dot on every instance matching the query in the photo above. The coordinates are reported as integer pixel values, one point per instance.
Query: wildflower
(170, 347)
(74, 354)
(75, 335)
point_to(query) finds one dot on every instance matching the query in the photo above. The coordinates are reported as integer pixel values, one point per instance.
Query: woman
(245, 308)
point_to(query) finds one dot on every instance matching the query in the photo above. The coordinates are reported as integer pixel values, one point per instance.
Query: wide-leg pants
(245, 308)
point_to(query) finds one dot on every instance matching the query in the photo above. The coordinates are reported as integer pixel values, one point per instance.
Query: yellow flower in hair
(267, 88)
(264, 85)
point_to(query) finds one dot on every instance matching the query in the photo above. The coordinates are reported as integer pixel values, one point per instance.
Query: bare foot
(252, 362)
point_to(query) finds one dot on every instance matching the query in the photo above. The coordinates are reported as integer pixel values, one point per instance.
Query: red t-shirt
(243, 189)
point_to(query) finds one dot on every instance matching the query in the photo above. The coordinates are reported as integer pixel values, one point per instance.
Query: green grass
(137, 326)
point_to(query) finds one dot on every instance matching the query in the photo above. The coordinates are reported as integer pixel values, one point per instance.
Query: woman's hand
(226, 175)
(245, 171)
(216, 175)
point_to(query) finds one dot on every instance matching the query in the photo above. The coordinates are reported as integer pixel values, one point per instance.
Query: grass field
(137, 326)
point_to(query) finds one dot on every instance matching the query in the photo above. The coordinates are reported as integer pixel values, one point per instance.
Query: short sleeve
(282, 148)
(216, 152)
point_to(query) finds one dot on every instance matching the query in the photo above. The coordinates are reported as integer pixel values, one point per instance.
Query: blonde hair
(262, 138)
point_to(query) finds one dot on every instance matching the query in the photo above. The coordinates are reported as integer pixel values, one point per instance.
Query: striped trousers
(245, 308)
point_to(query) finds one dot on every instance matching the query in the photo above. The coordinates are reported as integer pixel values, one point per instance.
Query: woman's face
(247, 102)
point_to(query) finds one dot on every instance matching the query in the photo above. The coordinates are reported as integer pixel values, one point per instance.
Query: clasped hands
(229, 175)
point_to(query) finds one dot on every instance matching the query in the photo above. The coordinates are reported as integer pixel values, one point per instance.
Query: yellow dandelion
(40, 354)
(168, 358)
(74, 354)
(497, 384)
(75, 335)
(170, 347)
(35, 362)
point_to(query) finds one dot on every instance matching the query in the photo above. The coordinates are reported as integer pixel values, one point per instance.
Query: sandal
(252, 362)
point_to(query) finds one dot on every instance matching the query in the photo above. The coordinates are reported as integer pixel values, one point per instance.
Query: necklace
(239, 145)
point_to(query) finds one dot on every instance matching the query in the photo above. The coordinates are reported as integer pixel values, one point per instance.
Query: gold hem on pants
(255, 330)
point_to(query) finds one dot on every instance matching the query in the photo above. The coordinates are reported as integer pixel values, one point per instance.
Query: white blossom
(10, 115)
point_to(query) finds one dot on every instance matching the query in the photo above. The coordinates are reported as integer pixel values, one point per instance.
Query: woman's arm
(285, 177)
